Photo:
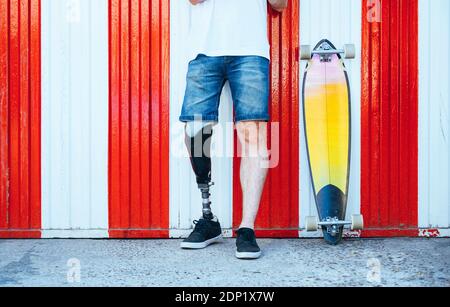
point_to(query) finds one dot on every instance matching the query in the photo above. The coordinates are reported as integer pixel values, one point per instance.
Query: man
(228, 41)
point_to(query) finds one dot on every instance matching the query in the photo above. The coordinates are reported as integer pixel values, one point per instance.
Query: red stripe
(114, 120)
(135, 116)
(14, 115)
(390, 233)
(394, 90)
(139, 234)
(35, 114)
(145, 116)
(279, 212)
(164, 122)
(389, 149)
(4, 110)
(20, 86)
(23, 117)
(139, 118)
(385, 116)
(20, 234)
(277, 233)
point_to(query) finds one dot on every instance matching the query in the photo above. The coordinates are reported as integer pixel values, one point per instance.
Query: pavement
(297, 262)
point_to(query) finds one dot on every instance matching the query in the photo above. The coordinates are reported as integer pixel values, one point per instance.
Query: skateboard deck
(327, 119)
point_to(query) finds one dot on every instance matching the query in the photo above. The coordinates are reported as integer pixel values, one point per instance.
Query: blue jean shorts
(249, 82)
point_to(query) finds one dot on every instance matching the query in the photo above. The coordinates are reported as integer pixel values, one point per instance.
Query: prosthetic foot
(198, 142)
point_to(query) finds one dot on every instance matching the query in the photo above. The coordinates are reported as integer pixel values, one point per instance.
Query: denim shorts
(249, 82)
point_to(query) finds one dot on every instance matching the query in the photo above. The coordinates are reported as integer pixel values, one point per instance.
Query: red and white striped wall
(90, 94)
(20, 119)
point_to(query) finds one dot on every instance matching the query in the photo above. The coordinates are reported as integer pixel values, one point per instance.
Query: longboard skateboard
(327, 119)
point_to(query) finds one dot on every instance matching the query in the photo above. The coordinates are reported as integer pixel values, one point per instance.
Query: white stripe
(75, 234)
(185, 199)
(340, 22)
(75, 116)
(434, 101)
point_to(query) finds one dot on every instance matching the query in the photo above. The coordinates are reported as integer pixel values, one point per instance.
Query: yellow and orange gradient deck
(327, 122)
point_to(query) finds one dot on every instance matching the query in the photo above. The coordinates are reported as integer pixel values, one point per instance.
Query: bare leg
(253, 139)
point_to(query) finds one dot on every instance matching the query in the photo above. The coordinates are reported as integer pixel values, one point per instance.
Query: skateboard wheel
(357, 222)
(349, 51)
(311, 223)
(306, 53)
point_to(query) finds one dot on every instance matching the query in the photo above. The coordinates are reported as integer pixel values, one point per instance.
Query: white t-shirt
(229, 28)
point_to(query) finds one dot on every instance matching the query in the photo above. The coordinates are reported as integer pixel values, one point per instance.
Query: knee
(253, 137)
(195, 127)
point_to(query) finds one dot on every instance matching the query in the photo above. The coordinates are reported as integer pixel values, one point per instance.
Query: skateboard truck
(326, 51)
(333, 225)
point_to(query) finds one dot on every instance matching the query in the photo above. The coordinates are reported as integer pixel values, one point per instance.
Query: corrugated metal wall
(434, 121)
(185, 198)
(400, 177)
(139, 118)
(340, 22)
(20, 87)
(279, 213)
(389, 144)
(75, 118)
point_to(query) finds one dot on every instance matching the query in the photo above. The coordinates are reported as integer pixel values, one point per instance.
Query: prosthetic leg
(198, 142)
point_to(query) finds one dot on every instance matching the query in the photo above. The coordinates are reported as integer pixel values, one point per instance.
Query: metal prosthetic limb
(198, 142)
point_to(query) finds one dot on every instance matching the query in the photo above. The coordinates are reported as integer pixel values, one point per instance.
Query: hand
(195, 2)
(279, 5)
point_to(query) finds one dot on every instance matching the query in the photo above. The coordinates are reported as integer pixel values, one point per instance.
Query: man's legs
(254, 162)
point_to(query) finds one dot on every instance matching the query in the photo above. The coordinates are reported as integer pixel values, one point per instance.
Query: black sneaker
(206, 232)
(247, 248)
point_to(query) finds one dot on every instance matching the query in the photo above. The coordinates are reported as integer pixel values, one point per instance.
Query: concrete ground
(356, 262)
